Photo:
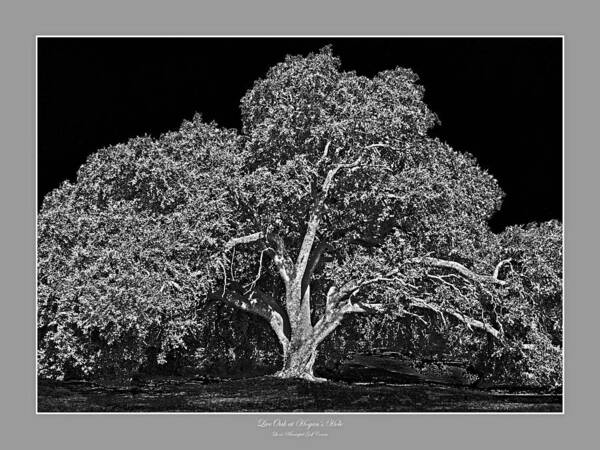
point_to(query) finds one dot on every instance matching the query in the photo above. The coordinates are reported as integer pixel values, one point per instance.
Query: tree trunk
(299, 362)
(301, 353)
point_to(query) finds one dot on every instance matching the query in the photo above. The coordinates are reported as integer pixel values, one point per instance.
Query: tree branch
(325, 153)
(352, 287)
(315, 217)
(281, 258)
(467, 273)
(313, 262)
(258, 275)
(336, 308)
(244, 240)
(365, 308)
(376, 308)
(468, 321)
(260, 304)
(499, 266)
(447, 283)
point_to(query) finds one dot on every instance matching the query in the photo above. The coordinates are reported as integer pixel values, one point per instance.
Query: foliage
(530, 312)
(532, 307)
(117, 249)
(332, 167)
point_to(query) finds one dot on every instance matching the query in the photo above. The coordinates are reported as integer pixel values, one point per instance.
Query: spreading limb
(261, 304)
(365, 308)
(467, 273)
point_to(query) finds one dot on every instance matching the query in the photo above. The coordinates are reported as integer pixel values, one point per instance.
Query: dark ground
(268, 394)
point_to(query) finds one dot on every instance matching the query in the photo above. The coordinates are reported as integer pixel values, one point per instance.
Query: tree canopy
(331, 200)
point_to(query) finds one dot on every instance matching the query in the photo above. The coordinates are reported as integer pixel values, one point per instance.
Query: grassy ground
(267, 394)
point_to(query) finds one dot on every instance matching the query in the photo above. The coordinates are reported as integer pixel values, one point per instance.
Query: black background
(498, 98)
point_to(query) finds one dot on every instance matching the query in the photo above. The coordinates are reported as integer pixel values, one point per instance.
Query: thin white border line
(466, 413)
(564, 323)
(308, 413)
(35, 351)
(301, 36)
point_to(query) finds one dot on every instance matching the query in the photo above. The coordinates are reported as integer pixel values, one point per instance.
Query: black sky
(498, 98)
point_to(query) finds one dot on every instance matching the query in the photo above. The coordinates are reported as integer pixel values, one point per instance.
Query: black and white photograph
(300, 224)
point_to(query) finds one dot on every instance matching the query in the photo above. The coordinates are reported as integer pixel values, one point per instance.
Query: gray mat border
(21, 21)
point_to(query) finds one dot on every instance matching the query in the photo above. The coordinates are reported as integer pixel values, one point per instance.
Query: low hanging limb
(457, 267)
(365, 308)
(260, 304)
(468, 321)
(339, 299)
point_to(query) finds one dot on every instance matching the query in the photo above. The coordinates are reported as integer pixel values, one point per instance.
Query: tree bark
(299, 362)
(300, 354)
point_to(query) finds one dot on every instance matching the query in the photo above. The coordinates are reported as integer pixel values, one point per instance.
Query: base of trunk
(298, 374)
(299, 364)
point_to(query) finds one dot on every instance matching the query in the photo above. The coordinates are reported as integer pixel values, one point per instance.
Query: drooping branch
(337, 295)
(352, 287)
(365, 308)
(339, 300)
(468, 321)
(467, 273)
(260, 304)
(377, 308)
(335, 312)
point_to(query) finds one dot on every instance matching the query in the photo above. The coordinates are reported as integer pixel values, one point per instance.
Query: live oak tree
(331, 201)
